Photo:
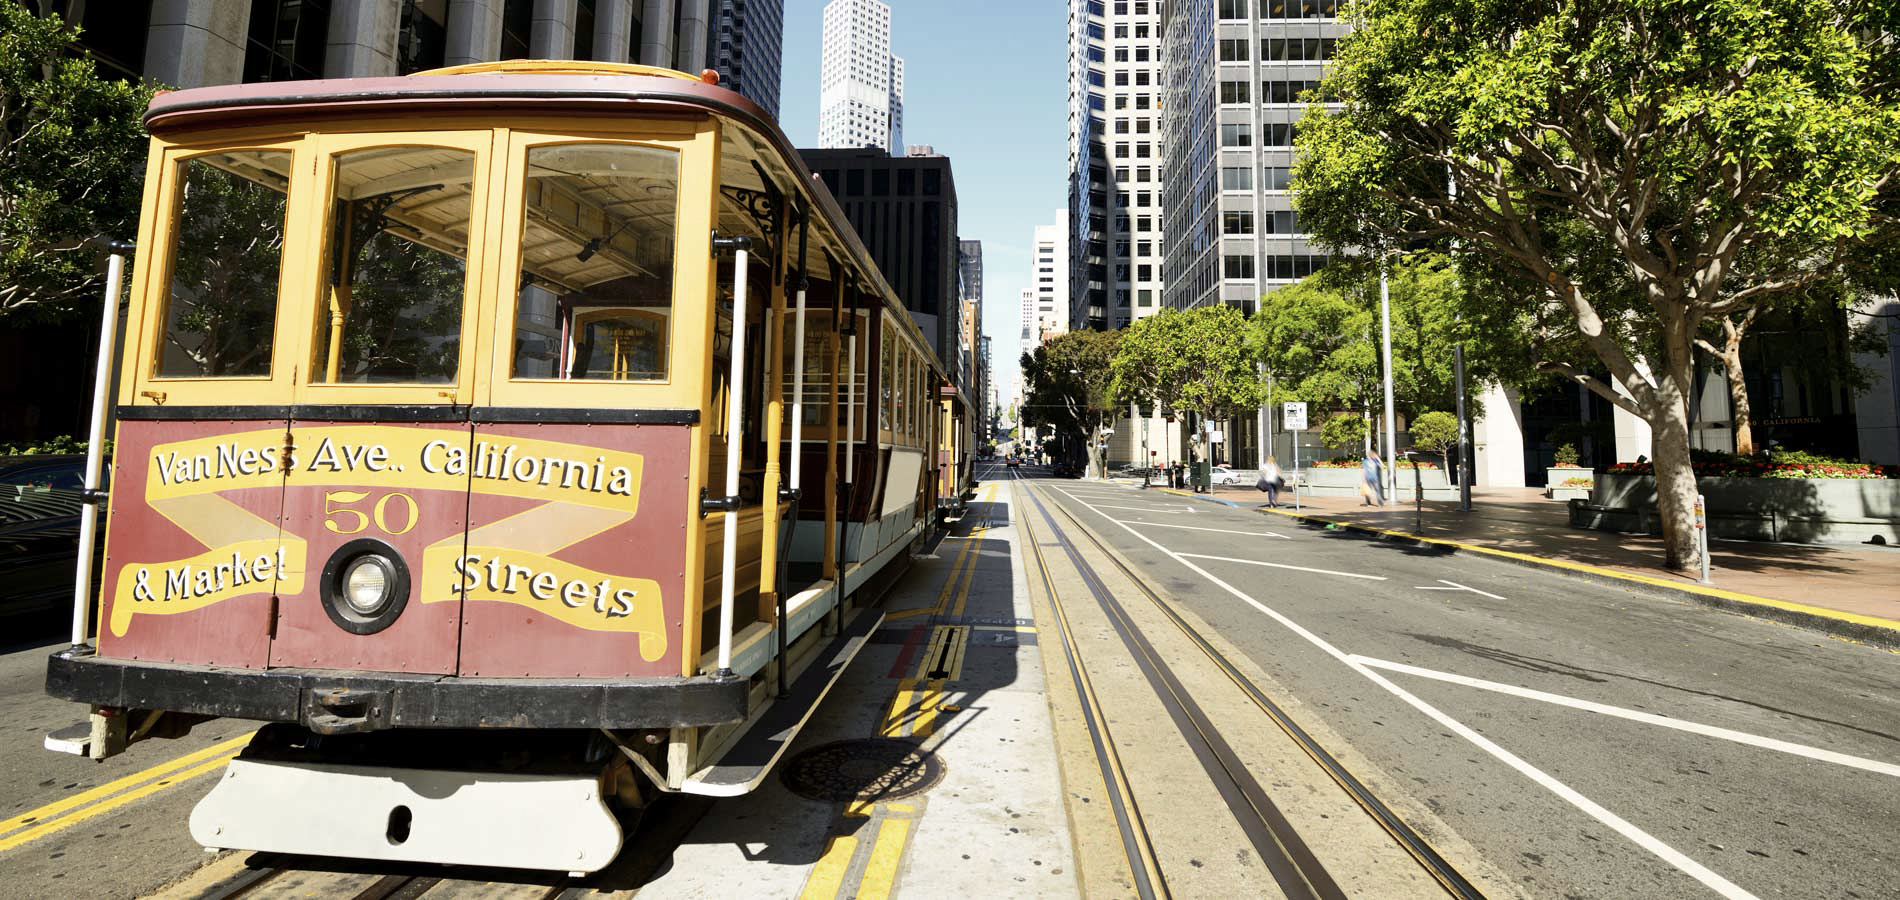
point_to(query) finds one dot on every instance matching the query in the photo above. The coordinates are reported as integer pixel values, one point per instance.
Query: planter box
(1555, 476)
(1345, 483)
(1801, 510)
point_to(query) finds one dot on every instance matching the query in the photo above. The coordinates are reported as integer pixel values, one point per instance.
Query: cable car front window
(227, 248)
(395, 267)
(596, 293)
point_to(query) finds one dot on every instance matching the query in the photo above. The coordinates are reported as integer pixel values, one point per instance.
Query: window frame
(140, 384)
(476, 302)
(689, 332)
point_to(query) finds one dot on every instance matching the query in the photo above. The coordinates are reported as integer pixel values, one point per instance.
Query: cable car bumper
(331, 702)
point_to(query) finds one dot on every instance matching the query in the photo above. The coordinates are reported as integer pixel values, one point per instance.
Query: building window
(1237, 266)
(1236, 222)
(517, 28)
(1233, 9)
(1233, 50)
(1236, 178)
(1233, 92)
(1236, 135)
(1275, 178)
(287, 40)
(422, 36)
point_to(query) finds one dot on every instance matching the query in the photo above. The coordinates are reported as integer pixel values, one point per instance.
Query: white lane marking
(1144, 509)
(1262, 562)
(1590, 807)
(1455, 586)
(1203, 528)
(1740, 737)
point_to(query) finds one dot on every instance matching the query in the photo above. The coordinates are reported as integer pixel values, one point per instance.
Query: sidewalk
(1857, 584)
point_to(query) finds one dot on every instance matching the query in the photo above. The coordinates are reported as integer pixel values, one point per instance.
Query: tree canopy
(1704, 154)
(1191, 361)
(72, 153)
(1066, 384)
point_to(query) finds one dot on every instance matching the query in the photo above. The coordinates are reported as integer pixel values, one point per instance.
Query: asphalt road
(1588, 741)
(111, 847)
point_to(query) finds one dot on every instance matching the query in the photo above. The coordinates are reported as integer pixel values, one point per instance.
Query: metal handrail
(89, 511)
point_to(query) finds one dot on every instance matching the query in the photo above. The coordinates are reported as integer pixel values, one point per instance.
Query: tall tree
(1068, 388)
(72, 154)
(1195, 361)
(1664, 138)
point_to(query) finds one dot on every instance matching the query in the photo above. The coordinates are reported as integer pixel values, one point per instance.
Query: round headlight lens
(366, 585)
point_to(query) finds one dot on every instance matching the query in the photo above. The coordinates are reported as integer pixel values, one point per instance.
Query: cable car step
(74, 739)
(410, 815)
(745, 766)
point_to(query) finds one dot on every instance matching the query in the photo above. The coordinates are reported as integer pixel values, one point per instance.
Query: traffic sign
(1294, 417)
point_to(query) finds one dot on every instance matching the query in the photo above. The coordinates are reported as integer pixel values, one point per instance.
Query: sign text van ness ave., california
(487, 461)
(503, 465)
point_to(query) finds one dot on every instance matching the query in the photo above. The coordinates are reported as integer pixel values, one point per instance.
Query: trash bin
(1203, 476)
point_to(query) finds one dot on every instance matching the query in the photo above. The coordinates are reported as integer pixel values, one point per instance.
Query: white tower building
(861, 85)
(1051, 283)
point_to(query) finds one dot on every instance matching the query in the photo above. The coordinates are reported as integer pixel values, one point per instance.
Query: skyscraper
(1115, 162)
(747, 43)
(1232, 102)
(861, 85)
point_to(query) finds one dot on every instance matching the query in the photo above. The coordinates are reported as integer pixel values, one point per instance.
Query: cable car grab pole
(89, 509)
(735, 401)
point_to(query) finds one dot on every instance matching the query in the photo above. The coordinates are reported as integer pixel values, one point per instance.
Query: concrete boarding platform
(950, 697)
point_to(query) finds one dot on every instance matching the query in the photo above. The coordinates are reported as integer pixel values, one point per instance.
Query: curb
(1883, 633)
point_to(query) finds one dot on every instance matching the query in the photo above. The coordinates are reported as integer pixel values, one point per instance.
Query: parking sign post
(1293, 421)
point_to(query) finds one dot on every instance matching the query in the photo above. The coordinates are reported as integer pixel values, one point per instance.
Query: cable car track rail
(1441, 870)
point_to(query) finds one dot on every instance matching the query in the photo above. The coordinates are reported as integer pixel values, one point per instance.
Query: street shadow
(1534, 526)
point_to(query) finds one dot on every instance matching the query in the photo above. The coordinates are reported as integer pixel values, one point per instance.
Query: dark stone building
(905, 211)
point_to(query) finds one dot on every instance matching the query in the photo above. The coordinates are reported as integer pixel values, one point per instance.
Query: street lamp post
(1391, 431)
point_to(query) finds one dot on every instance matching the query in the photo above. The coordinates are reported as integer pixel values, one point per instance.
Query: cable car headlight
(365, 586)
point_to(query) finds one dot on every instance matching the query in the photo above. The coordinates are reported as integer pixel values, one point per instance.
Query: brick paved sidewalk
(1858, 579)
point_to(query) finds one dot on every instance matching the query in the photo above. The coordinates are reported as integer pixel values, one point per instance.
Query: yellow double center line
(62, 814)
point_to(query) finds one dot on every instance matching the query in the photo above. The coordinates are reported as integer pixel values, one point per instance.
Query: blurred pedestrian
(1372, 493)
(1271, 481)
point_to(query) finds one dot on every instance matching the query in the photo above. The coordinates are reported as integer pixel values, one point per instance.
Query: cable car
(516, 440)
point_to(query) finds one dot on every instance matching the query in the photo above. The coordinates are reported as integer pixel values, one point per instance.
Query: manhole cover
(865, 769)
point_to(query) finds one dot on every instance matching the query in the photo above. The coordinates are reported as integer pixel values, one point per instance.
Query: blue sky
(985, 83)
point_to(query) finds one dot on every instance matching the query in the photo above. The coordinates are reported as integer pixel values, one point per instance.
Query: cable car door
(378, 480)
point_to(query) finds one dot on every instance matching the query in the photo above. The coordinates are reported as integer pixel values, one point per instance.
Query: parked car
(1224, 475)
(1013, 462)
(39, 531)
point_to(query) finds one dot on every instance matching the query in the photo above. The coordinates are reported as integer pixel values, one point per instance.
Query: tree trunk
(1675, 476)
(1738, 396)
(1730, 353)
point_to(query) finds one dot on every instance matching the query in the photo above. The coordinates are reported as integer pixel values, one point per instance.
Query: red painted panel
(193, 551)
(392, 483)
(575, 564)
